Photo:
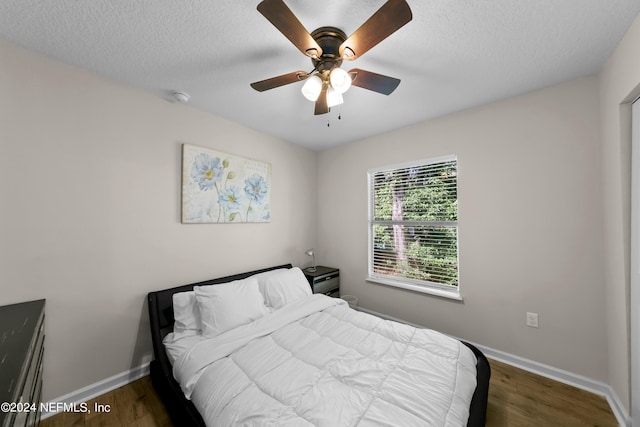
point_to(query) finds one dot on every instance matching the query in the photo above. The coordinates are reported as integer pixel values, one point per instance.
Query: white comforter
(317, 362)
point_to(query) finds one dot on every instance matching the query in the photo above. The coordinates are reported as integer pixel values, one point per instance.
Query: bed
(289, 357)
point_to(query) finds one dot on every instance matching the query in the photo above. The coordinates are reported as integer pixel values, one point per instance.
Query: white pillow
(284, 287)
(229, 305)
(186, 314)
(262, 279)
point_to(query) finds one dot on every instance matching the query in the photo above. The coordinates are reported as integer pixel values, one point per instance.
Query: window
(413, 226)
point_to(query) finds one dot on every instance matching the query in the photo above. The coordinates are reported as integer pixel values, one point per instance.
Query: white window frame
(452, 292)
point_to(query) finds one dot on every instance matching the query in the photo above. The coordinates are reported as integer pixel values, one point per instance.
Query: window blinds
(413, 223)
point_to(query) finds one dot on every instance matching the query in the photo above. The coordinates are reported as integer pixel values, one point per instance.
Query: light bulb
(312, 88)
(333, 97)
(340, 80)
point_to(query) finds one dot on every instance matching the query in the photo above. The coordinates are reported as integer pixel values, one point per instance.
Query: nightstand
(325, 280)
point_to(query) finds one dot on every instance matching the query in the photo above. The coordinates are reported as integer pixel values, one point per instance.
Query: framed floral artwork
(222, 188)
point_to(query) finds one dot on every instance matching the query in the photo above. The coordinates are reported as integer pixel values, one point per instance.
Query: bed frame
(184, 413)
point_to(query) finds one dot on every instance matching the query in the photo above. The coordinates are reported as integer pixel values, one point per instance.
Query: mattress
(317, 362)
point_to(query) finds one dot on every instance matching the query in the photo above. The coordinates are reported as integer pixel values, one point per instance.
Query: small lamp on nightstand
(313, 261)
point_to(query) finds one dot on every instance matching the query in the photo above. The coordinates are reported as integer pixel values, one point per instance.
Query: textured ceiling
(453, 55)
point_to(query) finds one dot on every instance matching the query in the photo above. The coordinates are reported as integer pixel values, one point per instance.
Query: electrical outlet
(532, 320)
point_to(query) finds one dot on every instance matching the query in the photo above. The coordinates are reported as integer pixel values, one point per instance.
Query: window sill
(444, 293)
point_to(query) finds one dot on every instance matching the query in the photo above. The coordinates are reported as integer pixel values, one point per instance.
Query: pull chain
(339, 118)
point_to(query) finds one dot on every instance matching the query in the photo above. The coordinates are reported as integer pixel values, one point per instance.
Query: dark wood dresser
(21, 351)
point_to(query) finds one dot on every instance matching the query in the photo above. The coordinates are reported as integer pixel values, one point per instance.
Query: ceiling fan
(328, 47)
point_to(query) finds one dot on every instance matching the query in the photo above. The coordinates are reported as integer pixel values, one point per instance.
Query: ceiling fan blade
(387, 20)
(284, 20)
(373, 81)
(322, 107)
(278, 81)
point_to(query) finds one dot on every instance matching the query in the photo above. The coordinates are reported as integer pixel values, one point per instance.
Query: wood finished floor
(516, 398)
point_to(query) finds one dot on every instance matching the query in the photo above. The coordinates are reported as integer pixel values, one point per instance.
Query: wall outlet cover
(532, 320)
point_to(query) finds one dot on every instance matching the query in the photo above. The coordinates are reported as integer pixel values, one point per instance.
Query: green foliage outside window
(414, 227)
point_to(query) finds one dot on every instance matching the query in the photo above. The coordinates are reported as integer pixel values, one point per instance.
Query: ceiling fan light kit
(334, 97)
(340, 80)
(312, 87)
(328, 47)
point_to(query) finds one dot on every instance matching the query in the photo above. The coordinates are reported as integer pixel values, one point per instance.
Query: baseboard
(101, 387)
(566, 377)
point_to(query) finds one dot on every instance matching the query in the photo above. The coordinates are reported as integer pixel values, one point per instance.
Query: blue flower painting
(223, 188)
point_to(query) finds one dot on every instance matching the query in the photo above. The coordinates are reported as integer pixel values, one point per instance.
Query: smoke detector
(181, 97)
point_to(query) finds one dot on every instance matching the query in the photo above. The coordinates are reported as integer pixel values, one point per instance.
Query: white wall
(90, 186)
(530, 225)
(619, 85)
